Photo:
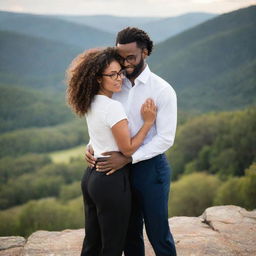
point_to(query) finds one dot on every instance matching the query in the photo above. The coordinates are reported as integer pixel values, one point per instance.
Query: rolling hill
(101, 28)
(5, 15)
(55, 29)
(162, 29)
(158, 28)
(33, 61)
(112, 24)
(24, 108)
(213, 65)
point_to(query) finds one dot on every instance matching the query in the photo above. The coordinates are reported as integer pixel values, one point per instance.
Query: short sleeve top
(102, 116)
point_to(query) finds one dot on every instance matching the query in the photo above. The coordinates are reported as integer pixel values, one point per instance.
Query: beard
(137, 70)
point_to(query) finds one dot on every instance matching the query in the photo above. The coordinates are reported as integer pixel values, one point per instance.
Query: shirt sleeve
(115, 113)
(166, 122)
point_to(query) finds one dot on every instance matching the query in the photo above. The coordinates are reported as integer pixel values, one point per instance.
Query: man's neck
(132, 79)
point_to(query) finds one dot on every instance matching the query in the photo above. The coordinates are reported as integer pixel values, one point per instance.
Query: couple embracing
(131, 115)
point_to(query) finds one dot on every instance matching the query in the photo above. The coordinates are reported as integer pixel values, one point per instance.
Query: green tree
(217, 143)
(70, 191)
(192, 194)
(230, 192)
(249, 187)
(50, 214)
(9, 223)
(12, 167)
(239, 191)
(45, 214)
(42, 140)
(44, 182)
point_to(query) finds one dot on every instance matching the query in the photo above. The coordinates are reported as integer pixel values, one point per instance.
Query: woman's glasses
(114, 76)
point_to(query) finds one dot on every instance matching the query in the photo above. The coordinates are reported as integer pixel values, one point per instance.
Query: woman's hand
(121, 133)
(148, 111)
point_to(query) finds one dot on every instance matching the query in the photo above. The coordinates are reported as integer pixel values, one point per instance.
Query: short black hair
(132, 34)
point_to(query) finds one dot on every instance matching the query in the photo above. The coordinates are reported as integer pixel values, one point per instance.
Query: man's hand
(116, 161)
(89, 156)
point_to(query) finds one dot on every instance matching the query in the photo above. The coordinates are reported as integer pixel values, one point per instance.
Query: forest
(211, 66)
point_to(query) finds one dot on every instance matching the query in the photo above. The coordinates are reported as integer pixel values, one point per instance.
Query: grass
(64, 156)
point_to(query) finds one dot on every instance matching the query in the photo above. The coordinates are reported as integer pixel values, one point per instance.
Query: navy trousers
(150, 183)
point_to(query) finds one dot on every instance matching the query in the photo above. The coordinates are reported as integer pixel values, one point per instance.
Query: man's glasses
(114, 76)
(130, 59)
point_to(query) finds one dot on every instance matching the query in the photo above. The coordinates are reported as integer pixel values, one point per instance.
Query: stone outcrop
(219, 231)
(11, 245)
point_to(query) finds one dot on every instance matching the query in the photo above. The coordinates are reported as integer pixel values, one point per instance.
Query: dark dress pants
(107, 200)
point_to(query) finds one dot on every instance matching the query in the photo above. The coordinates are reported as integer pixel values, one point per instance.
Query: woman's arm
(120, 130)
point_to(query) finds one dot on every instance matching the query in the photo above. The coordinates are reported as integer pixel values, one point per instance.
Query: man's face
(133, 58)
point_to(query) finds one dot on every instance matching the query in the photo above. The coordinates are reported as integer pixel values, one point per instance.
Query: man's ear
(145, 52)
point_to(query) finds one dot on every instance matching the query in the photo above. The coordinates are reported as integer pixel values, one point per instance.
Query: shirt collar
(143, 77)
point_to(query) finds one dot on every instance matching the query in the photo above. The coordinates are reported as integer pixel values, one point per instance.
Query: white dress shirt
(161, 135)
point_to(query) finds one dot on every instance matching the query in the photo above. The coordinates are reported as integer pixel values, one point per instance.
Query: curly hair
(82, 77)
(132, 34)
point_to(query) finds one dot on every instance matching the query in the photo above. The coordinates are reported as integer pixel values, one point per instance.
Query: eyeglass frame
(133, 56)
(121, 73)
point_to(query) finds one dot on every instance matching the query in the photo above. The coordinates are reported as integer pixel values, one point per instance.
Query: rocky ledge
(219, 231)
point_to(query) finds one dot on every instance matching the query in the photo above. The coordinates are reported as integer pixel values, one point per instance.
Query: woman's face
(111, 80)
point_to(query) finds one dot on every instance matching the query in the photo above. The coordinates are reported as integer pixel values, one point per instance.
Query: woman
(92, 79)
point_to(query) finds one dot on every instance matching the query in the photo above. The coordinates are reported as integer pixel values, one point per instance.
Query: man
(150, 173)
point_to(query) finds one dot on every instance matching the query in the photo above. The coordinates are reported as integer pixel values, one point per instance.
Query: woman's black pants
(107, 203)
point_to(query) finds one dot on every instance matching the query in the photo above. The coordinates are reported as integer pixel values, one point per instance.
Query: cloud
(17, 8)
(123, 7)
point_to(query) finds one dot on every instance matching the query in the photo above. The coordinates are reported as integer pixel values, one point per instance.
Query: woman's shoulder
(105, 104)
(108, 101)
(116, 103)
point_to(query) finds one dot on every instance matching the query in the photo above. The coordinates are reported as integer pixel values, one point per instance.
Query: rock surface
(219, 231)
(11, 245)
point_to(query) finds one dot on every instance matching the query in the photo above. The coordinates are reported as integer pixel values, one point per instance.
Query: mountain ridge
(195, 60)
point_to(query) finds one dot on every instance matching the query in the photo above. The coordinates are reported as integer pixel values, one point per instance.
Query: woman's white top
(103, 114)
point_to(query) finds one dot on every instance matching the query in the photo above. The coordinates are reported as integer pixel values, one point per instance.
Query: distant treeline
(44, 214)
(217, 143)
(42, 140)
(195, 192)
(26, 107)
(213, 162)
(40, 194)
(35, 176)
(189, 196)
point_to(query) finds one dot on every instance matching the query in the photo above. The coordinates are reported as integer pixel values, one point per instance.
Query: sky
(156, 8)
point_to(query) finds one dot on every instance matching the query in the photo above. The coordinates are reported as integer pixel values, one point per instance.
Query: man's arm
(115, 162)
(166, 123)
